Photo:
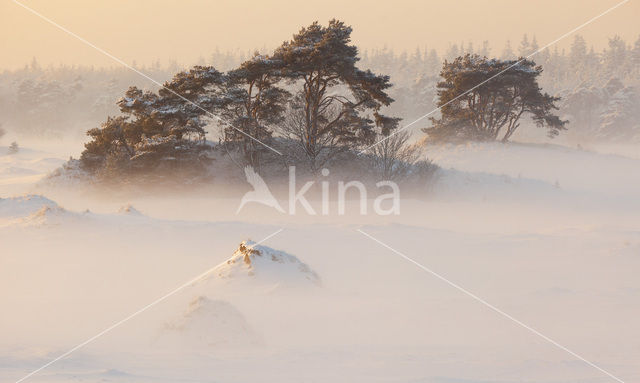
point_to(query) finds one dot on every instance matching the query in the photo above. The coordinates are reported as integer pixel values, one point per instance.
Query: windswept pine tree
(163, 130)
(494, 109)
(254, 103)
(338, 105)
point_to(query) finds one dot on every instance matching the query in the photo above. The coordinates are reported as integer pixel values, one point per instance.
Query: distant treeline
(598, 88)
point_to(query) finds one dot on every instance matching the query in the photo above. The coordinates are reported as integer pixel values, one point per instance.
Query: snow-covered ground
(20, 170)
(548, 234)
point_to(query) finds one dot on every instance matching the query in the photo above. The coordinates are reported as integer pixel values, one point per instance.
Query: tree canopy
(157, 129)
(309, 91)
(253, 104)
(339, 104)
(494, 109)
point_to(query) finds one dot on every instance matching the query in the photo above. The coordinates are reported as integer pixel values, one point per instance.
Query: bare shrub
(394, 158)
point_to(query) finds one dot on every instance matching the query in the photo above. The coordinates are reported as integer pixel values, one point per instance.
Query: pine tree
(491, 111)
(524, 49)
(163, 129)
(578, 54)
(417, 54)
(619, 120)
(453, 52)
(543, 57)
(615, 55)
(485, 51)
(416, 60)
(34, 66)
(469, 47)
(534, 46)
(340, 102)
(433, 62)
(254, 103)
(593, 60)
(507, 52)
(582, 105)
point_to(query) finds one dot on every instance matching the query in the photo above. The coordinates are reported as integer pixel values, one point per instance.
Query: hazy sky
(145, 30)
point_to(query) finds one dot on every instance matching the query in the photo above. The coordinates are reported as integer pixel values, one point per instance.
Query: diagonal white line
(119, 61)
(136, 313)
(489, 305)
(497, 74)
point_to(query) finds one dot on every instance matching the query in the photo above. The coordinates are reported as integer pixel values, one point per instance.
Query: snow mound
(23, 206)
(262, 265)
(211, 322)
(58, 216)
(48, 215)
(129, 210)
(36, 210)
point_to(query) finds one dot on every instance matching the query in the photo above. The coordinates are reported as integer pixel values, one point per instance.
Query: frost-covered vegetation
(599, 89)
(310, 101)
(227, 275)
(509, 91)
(307, 104)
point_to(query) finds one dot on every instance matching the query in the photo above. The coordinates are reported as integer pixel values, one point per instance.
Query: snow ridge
(21, 206)
(264, 265)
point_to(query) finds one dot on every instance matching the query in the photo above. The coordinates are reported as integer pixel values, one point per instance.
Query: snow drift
(259, 266)
(212, 319)
(210, 323)
(21, 206)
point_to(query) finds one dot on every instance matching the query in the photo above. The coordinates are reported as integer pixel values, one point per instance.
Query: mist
(144, 240)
